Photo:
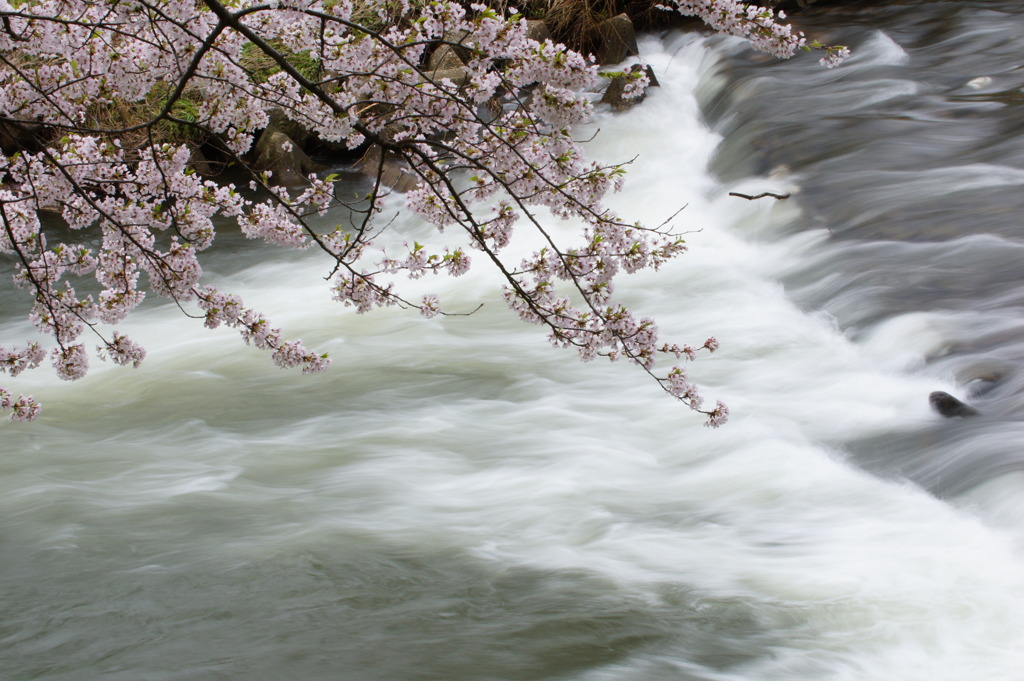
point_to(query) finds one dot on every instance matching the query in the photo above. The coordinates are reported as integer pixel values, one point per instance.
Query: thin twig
(748, 197)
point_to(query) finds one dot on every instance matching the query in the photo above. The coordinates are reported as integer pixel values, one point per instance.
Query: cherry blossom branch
(114, 183)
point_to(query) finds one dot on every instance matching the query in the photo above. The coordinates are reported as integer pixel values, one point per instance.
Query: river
(456, 501)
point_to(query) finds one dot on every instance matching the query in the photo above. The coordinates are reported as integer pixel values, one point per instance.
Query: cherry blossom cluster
(759, 26)
(137, 218)
(637, 82)
(225, 308)
(15, 360)
(25, 408)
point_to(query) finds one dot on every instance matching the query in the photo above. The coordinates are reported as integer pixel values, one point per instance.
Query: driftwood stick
(748, 197)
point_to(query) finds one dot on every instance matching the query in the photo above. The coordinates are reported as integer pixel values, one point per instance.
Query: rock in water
(949, 406)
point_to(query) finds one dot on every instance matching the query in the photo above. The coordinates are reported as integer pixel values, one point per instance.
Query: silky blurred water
(456, 500)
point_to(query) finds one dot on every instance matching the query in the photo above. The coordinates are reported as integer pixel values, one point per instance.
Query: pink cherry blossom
(138, 218)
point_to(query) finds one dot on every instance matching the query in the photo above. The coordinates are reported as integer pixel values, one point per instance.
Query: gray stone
(299, 133)
(458, 76)
(616, 40)
(278, 153)
(537, 30)
(450, 54)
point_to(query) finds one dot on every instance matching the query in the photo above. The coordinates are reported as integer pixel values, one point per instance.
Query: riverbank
(583, 25)
(605, 31)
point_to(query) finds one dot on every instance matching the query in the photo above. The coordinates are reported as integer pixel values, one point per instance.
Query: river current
(455, 500)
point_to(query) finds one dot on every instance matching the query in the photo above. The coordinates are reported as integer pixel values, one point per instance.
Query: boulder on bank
(458, 76)
(281, 155)
(537, 29)
(451, 53)
(299, 133)
(616, 40)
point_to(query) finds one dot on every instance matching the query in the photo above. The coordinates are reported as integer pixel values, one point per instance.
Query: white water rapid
(454, 500)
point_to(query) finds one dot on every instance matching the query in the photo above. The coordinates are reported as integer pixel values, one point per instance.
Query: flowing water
(457, 501)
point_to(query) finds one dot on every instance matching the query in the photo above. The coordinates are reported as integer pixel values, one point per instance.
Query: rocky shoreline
(286, 150)
(289, 153)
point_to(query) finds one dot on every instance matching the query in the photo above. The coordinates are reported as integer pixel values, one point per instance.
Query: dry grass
(121, 114)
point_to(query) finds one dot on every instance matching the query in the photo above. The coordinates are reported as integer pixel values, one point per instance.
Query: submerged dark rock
(949, 406)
